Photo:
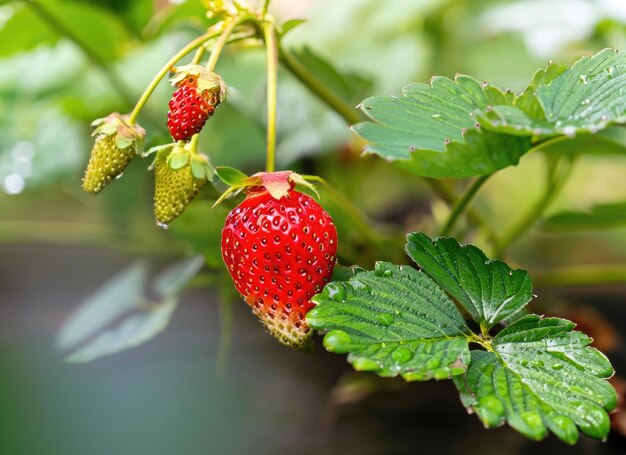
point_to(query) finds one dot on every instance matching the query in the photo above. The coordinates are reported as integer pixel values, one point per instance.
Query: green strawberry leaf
(341, 273)
(601, 216)
(489, 290)
(585, 98)
(394, 321)
(539, 376)
(526, 116)
(432, 130)
(535, 374)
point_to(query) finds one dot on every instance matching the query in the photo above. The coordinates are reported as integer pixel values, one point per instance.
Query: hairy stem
(462, 204)
(446, 194)
(271, 50)
(165, 69)
(336, 103)
(556, 176)
(62, 29)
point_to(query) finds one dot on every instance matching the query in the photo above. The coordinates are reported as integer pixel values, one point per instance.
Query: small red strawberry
(198, 93)
(279, 246)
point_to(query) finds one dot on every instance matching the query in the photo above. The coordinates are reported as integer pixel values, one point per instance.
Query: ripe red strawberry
(279, 246)
(199, 92)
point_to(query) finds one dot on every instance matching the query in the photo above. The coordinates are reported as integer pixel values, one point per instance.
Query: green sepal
(200, 167)
(178, 158)
(158, 148)
(230, 176)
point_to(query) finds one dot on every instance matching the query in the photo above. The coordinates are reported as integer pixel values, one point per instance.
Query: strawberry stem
(221, 41)
(271, 49)
(265, 7)
(193, 143)
(461, 205)
(165, 69)
(198, 55)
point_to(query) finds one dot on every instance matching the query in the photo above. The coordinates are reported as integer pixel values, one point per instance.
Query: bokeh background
(213, 382)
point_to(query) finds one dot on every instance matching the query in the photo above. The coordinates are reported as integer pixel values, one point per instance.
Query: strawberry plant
(432, 298)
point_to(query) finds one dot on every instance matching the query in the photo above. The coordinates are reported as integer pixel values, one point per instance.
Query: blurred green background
(213, 381)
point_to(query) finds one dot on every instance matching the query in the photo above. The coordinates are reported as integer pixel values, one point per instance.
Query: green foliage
(394, 320)
(600, 216)
(432, 129)
(460, 316)
(26, 28)
(461, 128)
(535, 374)
(489, 290)
(540, 376)
(585, 98)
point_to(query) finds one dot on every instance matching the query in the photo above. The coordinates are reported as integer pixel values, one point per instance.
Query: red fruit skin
(280, 253)
(188, 112)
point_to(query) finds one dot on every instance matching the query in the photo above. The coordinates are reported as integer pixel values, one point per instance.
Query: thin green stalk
(193, 143)
(582, 275)
(221, 42)
(556, 177)
(198, 55)
(271, 50)
(266, 5)
(446, 194)
(165, 69)
(59, 27)
(462, 204)
(336, 103)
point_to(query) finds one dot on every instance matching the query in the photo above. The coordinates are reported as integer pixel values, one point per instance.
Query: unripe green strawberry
(178, 176)
(117, 142)
(279, 246)
(198, 93)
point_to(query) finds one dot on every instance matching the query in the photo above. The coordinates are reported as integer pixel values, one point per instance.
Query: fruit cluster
(279, 245)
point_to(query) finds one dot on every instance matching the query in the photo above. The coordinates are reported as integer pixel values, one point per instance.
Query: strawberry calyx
(180, 154)
(277, 184)
(126, 134)
(207, 84)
